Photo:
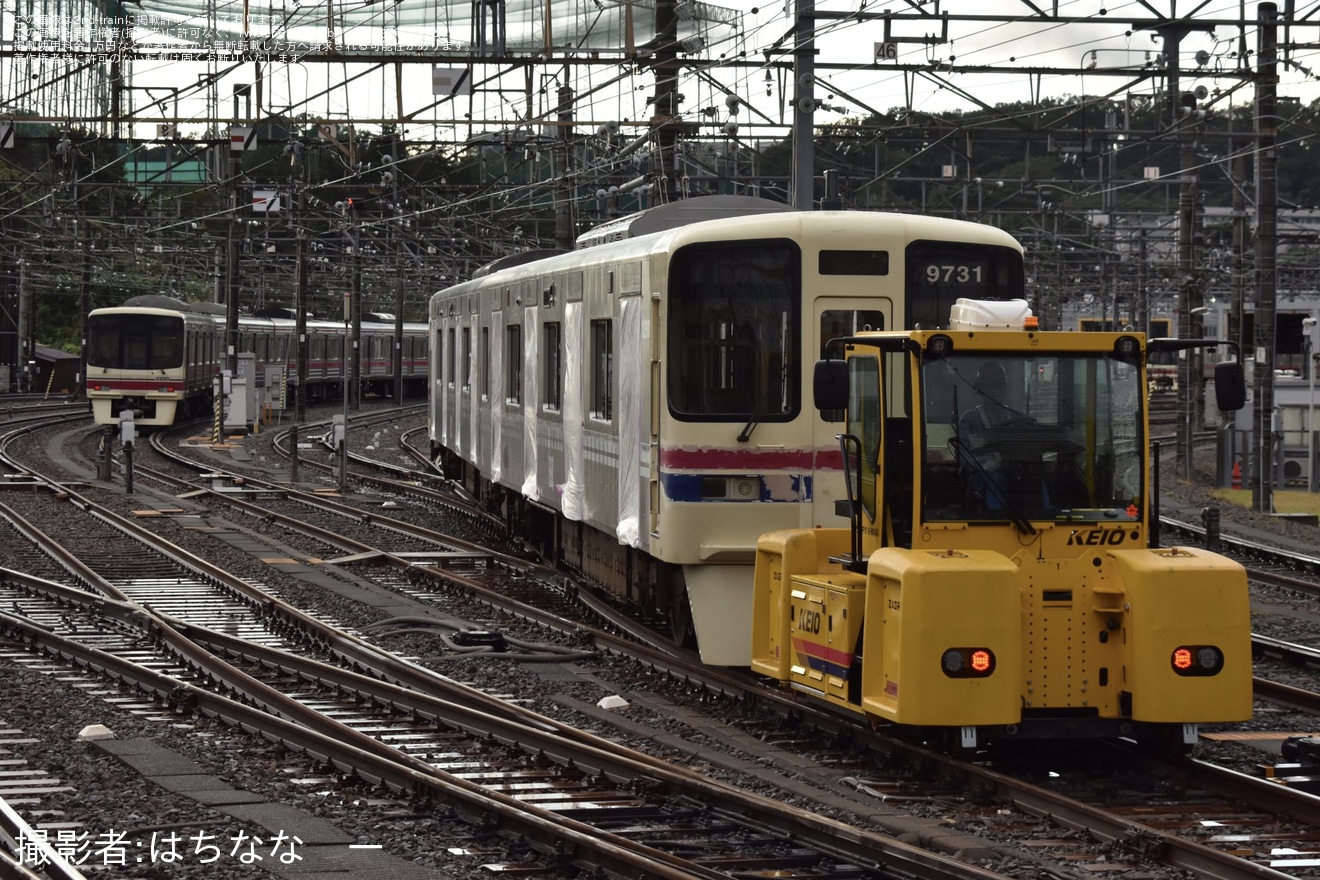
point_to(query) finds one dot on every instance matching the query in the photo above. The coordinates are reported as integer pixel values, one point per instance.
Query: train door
(834, 317)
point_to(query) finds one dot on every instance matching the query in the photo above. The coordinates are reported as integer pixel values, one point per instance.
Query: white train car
(639, 408)
(159, 357)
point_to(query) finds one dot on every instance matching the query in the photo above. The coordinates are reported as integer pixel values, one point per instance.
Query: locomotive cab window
(838, 323)
(1016, 435)
(864, 423)
(734, 332)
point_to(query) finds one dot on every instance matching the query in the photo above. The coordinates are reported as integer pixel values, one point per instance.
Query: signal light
(1197, 660)
(939, 346)
(967, 662)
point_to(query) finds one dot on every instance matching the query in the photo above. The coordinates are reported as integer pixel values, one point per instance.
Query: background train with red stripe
(159, 357)
(639, 408)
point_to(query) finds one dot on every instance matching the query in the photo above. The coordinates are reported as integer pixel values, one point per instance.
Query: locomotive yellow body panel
(998, 577)
(1185, 599)
(926, 604)
(780, 555)
(825, 619)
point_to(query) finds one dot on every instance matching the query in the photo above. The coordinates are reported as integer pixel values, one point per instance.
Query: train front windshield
(734, 332)
(135, 342)
(1011, 437)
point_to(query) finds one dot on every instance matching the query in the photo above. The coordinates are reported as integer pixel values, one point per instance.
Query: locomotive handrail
(854, 560)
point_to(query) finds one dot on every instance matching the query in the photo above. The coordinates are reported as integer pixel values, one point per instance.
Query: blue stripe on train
(784, 488)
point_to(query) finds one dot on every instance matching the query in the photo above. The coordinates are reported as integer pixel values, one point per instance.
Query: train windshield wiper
(753, 420)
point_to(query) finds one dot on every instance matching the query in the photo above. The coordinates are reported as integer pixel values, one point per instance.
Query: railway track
(747, 825)
(1114, 839)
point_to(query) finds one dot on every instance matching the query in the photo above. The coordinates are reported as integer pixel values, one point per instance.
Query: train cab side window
(513, 365)
(554, 386)
(734, 332)
(602, 369)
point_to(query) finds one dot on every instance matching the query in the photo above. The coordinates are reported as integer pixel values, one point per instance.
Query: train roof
(691, 221)
(270, 317)
(160, 301)
(676, 214)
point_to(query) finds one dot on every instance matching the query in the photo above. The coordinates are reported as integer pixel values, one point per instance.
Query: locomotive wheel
(681, 623)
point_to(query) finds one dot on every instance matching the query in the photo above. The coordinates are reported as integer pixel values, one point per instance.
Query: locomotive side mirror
(1230, 386)
(829, 385)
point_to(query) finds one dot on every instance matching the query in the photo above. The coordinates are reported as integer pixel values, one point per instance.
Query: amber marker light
(967, 662)
(1197, 660)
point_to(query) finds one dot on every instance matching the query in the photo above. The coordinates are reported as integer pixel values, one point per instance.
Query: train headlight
(1197, 660)
(967, 662)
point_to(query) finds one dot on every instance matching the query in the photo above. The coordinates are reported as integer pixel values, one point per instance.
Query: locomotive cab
(997, 578)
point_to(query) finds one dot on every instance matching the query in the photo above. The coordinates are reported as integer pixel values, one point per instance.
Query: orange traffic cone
(1237, 474)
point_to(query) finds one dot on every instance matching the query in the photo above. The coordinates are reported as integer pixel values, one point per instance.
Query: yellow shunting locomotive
(1001, 577)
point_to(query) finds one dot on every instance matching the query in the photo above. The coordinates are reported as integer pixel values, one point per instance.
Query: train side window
(485, 363)
(554, 386)
(467, 359)
(451, 366)
(513, 365)
(440, 354)
(602, 369)
(166, 351)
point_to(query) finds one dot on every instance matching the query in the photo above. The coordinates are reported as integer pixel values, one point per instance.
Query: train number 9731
(955, 273)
